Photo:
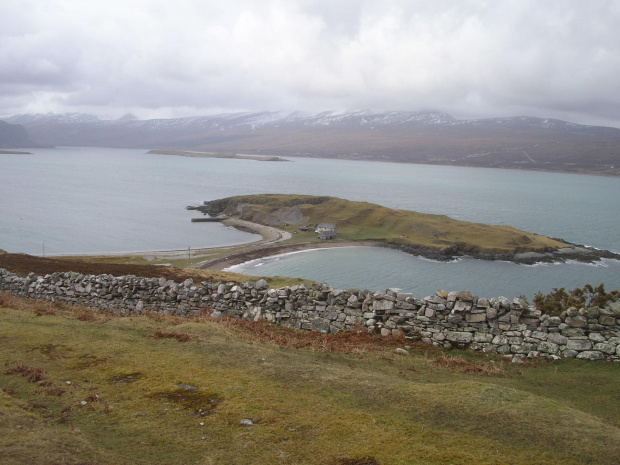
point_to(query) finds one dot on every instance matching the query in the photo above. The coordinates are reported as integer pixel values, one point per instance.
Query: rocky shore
(578, 253)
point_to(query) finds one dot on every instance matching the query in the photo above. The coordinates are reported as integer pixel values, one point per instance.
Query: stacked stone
(451, 320)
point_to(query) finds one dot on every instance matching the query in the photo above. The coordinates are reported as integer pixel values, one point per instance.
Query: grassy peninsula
(84, 387)
(183, 153)
(436, 236)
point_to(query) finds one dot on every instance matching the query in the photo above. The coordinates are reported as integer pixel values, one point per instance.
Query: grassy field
(80, 387)
(359, 221)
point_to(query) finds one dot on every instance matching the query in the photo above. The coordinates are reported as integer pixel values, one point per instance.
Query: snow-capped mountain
(419, 137)
(271, 119)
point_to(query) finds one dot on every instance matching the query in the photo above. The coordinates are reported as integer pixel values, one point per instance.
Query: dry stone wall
(451, 320)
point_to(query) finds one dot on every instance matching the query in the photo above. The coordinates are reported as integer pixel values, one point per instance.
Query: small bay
(378, 268)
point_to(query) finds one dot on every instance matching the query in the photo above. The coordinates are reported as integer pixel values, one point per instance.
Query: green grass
(314, 399)
(358, 221)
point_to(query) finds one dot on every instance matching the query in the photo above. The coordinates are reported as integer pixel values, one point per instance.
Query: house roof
(326, 226)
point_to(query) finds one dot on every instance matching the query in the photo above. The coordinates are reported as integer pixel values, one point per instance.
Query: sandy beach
(272, 243)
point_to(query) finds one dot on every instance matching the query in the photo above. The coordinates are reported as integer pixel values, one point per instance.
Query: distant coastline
(184, 153)
(14, 152)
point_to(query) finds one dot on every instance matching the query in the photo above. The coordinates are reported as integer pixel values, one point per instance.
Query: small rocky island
(437, 237)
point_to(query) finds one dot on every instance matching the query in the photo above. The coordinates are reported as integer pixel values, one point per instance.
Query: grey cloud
(469, 57)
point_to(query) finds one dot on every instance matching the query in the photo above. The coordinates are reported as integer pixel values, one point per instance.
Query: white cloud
(472, 58)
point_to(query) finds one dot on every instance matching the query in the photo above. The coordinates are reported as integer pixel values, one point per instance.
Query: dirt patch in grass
(190, 398)
(53, 351)
(127, 377)
(356, 461)
(181, 337)
(89, 361)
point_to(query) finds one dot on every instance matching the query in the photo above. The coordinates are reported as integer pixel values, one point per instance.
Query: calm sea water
(99, 200)
(364, 267)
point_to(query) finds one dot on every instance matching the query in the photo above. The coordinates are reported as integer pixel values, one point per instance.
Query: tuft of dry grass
(42, 308)
(181, 337)
(55, 391)
(359, 341)
(33, 375)
(85, 314)
(6, 300)
(467, 366)
(97, 316)
(64, 415)
(169, 320)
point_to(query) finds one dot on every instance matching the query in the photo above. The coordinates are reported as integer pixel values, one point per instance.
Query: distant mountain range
(14, 135)
(431, 137)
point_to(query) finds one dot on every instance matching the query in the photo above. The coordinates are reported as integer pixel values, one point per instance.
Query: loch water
(100, 200)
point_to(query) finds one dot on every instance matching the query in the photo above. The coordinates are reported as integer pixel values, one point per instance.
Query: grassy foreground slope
(366, 221)
(86, 387)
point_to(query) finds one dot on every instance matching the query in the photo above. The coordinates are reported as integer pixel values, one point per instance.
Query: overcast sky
(470, 58)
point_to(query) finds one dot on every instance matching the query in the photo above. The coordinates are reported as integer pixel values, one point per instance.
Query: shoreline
(269, 246)
(585, 171)
(238, 258)
(273, 243)
(232, 156)
(13, 152)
